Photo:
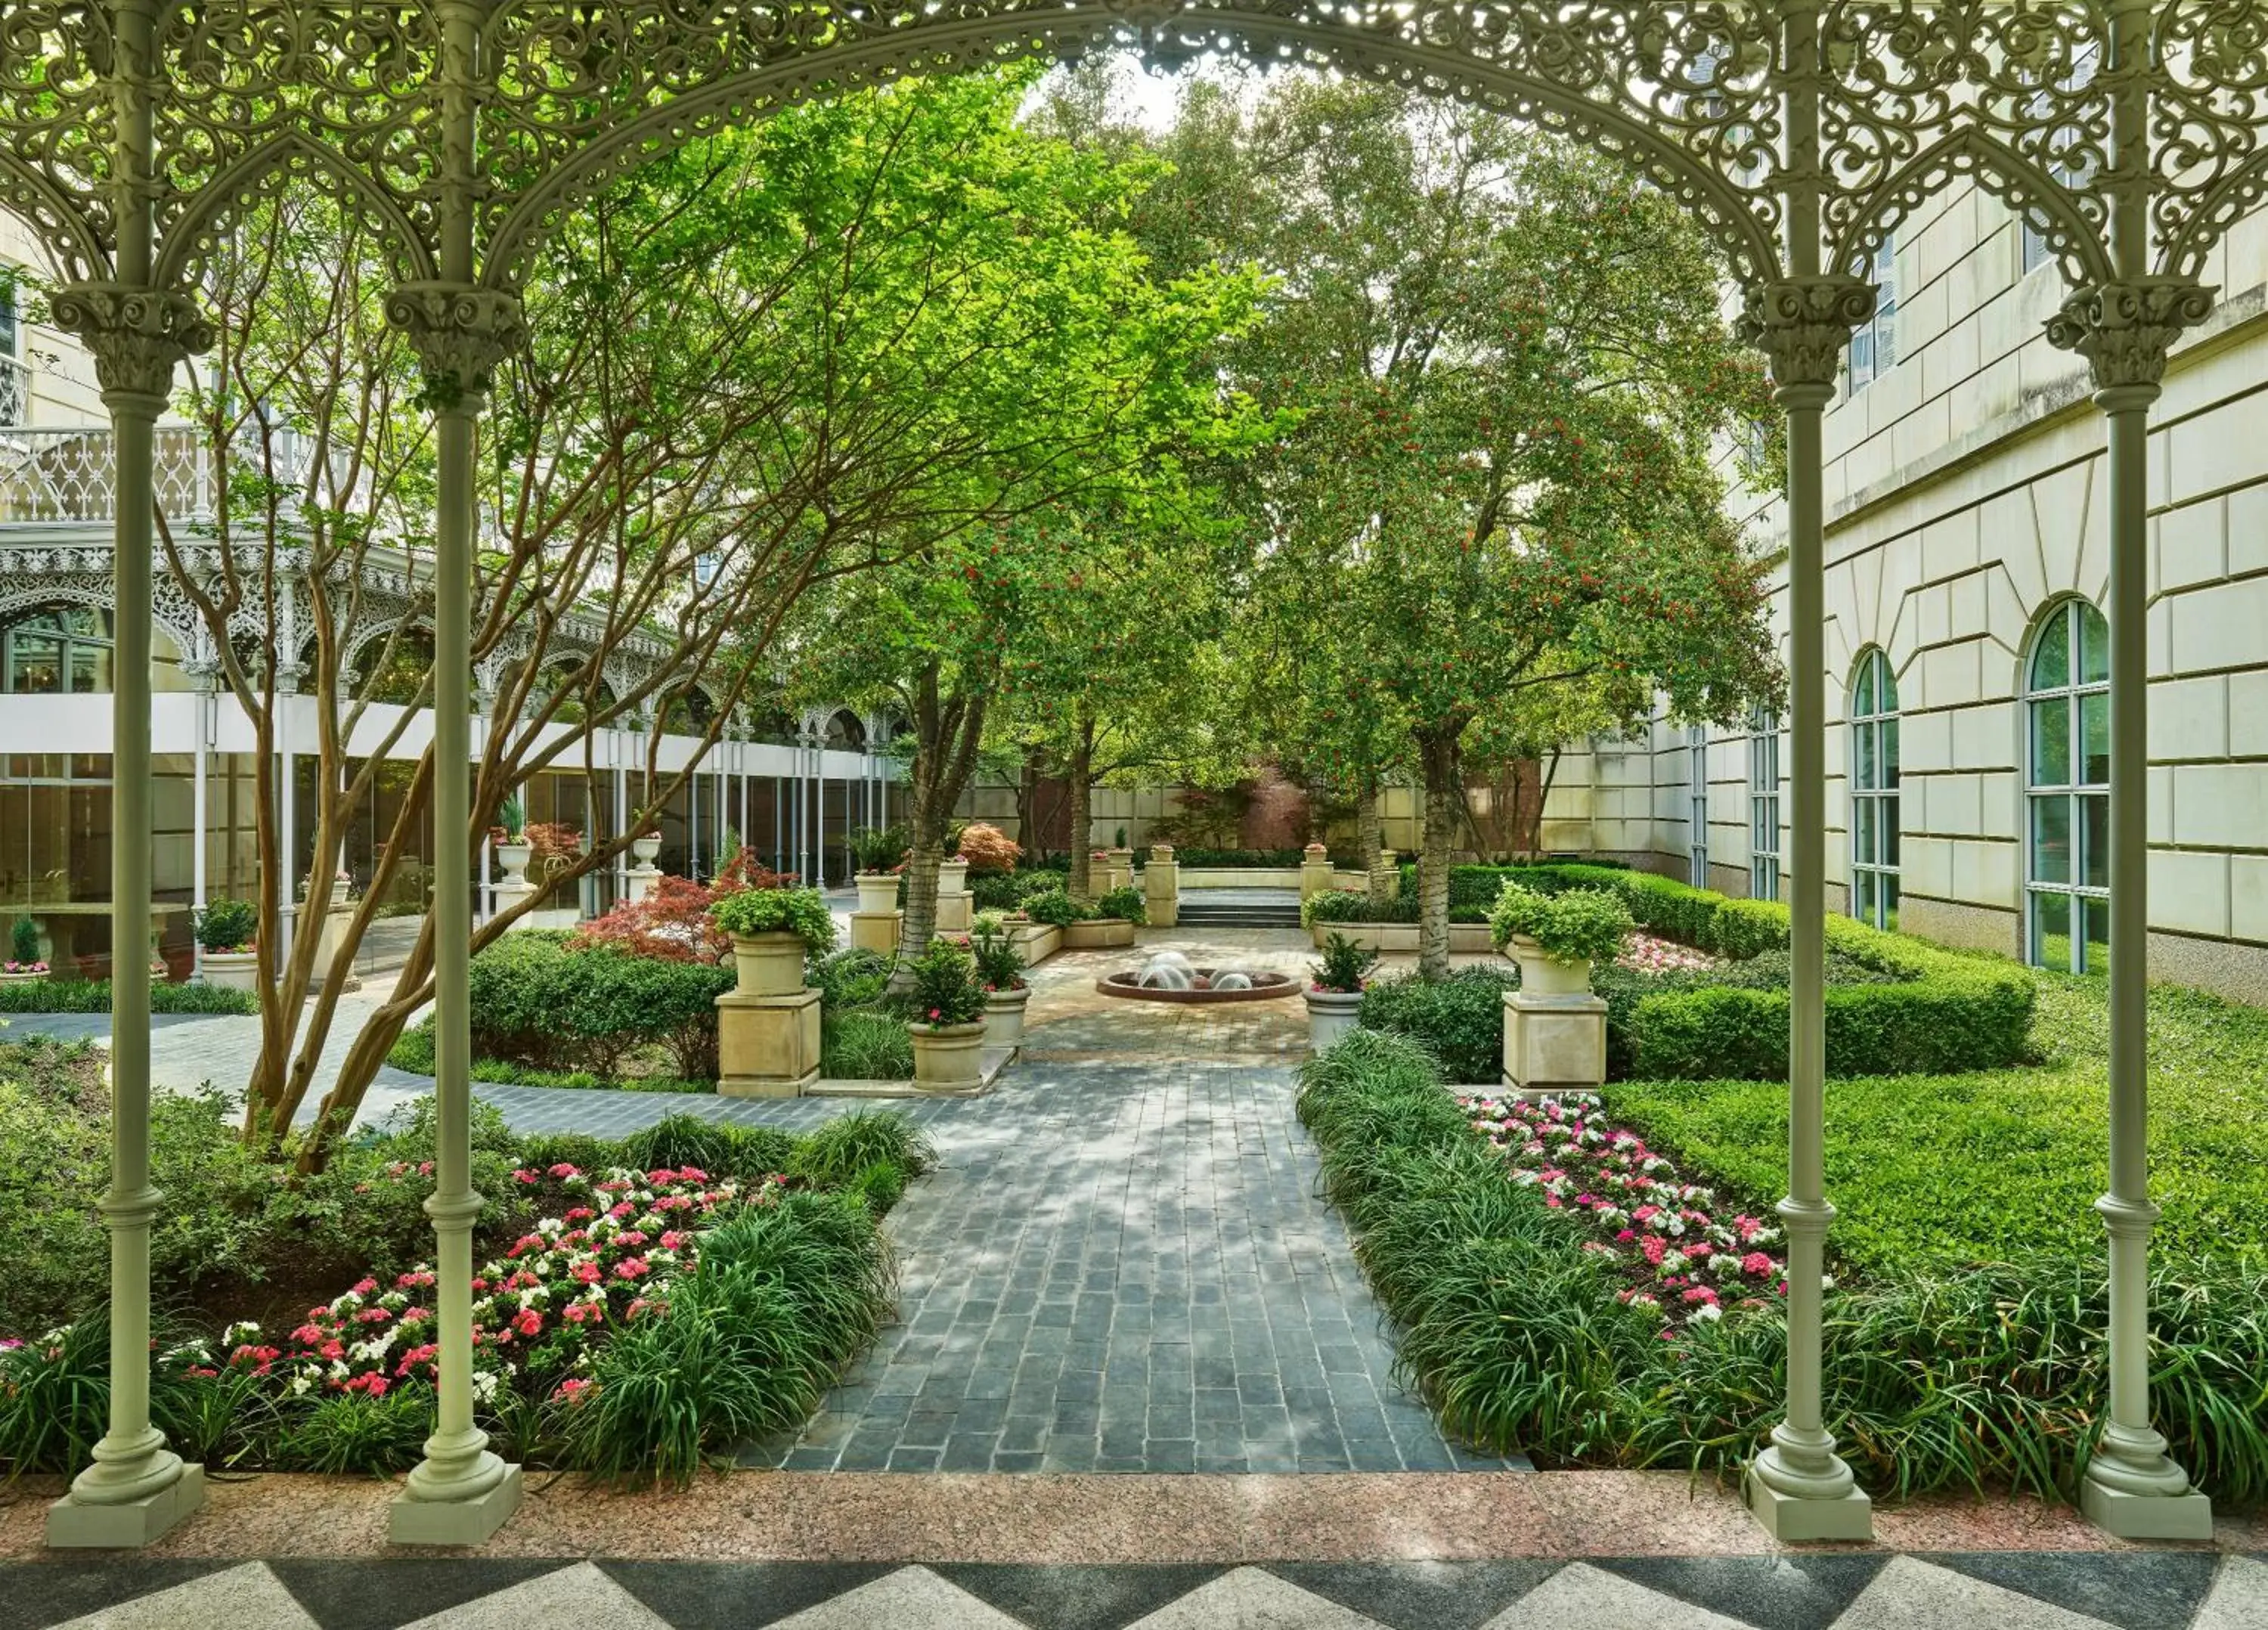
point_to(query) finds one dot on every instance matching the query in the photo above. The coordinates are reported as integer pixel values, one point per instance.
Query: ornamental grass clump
(1574, 926)
(799, 911)
(945, 989)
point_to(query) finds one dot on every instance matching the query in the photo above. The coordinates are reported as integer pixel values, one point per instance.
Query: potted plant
(1335, 993)
(1000, 970)
(646, 845)
(953, 874)
(24, 959)
(342, 888)
(948, 1027)
(513, 850)
(1556, 937)
(1110, 921)
(226, 930)
(773, 931)
(881, 855)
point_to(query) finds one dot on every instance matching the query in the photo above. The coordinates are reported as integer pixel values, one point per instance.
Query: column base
(1793, 1520)
(2147, 1517)
(73, 1524)
(453, 1522)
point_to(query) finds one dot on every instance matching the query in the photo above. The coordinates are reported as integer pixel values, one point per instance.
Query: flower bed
(1646, 953)
(1683, 1258)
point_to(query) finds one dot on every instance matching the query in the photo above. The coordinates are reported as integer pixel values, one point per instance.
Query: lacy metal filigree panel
(2012, 93)
(59, 120)
(333, 93)
(1681, 93)
(2209, 116)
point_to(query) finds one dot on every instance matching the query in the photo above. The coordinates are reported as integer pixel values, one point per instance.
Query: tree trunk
(1542, 797)
(1385, 879)
(1444, 801)
(1080, 786)
(920, 924)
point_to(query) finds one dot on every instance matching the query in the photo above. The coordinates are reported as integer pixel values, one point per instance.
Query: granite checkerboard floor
(2179, 1591)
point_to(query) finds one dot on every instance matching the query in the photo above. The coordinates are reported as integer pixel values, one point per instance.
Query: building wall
(1967, 491)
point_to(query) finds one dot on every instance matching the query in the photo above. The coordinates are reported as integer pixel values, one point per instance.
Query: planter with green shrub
(881, 858)
(773, 932)
(25, 962)
(226, 930)
(1335, 991)
(948, 1023)
(1556, 937)
(1000, 972)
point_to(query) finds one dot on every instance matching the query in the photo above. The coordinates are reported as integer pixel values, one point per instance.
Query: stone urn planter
(642, 850)
(1118, 869)
(769, 965)
(1330, 1015)
(233, 970)
(878, 892)
(514, 859)
(23, 977)
(1004, 1016)
(1543, 976)
(948, 1059)
(952, 876)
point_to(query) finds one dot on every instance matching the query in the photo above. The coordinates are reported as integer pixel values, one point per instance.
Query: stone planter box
(1464, 938)
(233, 970)
(19, 978)
(1004, 1017)
(1099, 935)
(952, 877)
(1330, 1014)
(878, 892)
(1036, 942)
(949, 1059)
(769, 965)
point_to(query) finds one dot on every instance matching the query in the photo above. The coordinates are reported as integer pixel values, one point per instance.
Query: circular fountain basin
(1265, 987)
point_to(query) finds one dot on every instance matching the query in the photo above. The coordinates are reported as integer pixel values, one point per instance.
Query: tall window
(2071, 160)
(1875, 792)
(1874, 348)
(62, 649)
(14, 388)
(1763, 805)
(1696, 784)
(2068, 791)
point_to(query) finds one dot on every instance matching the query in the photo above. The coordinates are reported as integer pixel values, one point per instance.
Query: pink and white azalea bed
(603, 1252)
(1645, 953)
(1683, 1258)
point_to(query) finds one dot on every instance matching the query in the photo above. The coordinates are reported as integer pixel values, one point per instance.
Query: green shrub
(1123, 903)
(1345, 966)
(536, 1000)
(999, 964)
(945, 988)
(848, 978)
(719, 1147)
(227, 925)
(375, 1436)
(879, 849)
(1572, 925)
(24, 941)
(866, 1044)
(1460, 1019)
(1054, 907)
(53, 995)
(801, 911)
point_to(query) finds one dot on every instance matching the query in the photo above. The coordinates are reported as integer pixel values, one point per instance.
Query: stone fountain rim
(1277, 986)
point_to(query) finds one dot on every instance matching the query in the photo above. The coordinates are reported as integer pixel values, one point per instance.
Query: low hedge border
(1938, 1012)
(1982, 1376)
(54, 995)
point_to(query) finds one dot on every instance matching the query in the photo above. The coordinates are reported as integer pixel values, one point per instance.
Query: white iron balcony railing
(15, 391)
(51, 474)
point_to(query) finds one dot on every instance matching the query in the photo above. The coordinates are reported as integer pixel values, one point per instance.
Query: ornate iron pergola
(2129, 134)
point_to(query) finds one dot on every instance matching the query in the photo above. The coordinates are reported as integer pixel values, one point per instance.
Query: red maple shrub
(988, 849)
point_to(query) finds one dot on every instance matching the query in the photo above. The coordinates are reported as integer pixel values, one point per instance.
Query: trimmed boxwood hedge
(1900, 1006)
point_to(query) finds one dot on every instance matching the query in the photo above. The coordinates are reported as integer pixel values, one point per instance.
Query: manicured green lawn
(1960, 1168)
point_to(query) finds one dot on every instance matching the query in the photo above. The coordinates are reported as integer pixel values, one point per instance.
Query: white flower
(1705, 1310)
(300, 1384)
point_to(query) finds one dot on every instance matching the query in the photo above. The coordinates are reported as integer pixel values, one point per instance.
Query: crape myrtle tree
(757, 365)
(1512, 374)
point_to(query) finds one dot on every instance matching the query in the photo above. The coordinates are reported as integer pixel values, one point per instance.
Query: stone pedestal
(1314, 871)
(953, 910)
(767, 1047)
(644, 882)
(336, 922)
(512, 891)
(876, 931)
(1117, 869)
(1554, 1043)
(73, 1524)
(1161, 888)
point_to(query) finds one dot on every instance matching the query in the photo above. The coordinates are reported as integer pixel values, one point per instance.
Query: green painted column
(461, 1492)
(137, 1487)
(1798, 1487)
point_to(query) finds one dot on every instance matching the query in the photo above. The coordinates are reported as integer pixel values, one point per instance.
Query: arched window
(2068, 791)
(1763, 805)
(1875, 792)
(57, 651)
(1697, 806)
(846, 732)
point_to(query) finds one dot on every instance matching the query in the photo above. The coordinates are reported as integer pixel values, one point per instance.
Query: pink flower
(529, 1322)
(589, 1273)
(630, 1267)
